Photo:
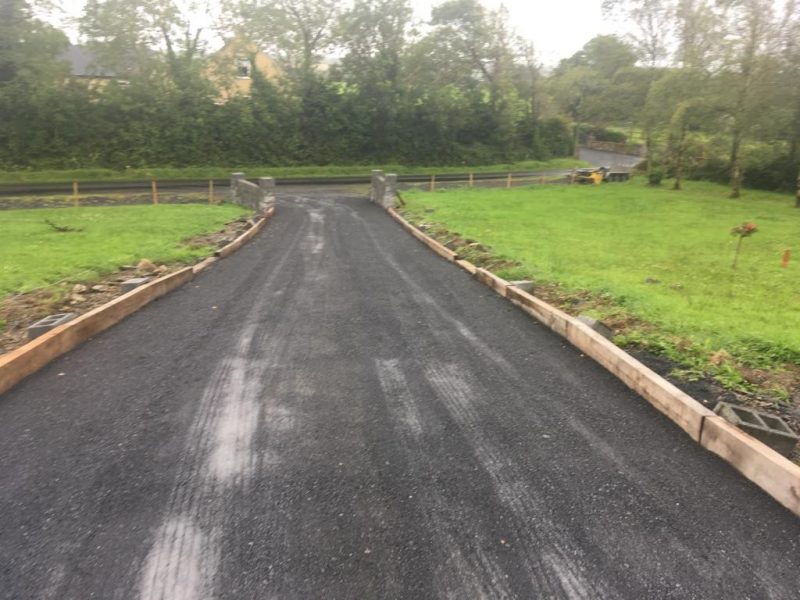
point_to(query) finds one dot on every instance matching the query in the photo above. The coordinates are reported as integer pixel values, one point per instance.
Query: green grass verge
(613, 238)
(42, 176)
(35, 255)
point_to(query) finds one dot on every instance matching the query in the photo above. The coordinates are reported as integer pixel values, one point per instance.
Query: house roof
(83, 63)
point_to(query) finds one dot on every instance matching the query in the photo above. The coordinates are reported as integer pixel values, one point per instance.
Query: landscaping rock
(598, 326)
(131, 284)
(525, 285)
(76, 299)
(99, 288)
(145, 266)
(79, 288)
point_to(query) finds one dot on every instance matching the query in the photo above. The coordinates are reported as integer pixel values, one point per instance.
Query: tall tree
(751, 30)
(650, 37)
(298, 33)
(373, 34)
(139, 36)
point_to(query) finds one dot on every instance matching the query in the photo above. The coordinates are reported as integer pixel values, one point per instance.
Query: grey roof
(83, 63)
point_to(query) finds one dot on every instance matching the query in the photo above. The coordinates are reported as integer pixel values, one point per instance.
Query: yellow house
(230, 69)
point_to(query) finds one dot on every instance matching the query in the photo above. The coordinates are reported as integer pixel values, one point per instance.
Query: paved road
(335, 412)
(608, 159)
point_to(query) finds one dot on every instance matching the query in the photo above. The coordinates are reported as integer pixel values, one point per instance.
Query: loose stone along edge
(775, 474)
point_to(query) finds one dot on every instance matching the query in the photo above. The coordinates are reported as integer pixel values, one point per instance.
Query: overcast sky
(558, 28)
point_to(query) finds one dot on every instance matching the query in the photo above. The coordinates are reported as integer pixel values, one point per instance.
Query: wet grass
(163, 173)
(662, 256)
(34, 254)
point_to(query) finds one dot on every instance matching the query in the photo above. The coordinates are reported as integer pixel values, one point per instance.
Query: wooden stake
(541, 180)
(471, 180)
(508, 181)
(787, 254)
(433, 183)
(154, 188)
(211, 191)
(75, 194)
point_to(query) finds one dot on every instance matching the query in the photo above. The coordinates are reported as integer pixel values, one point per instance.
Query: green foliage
(35, 255)
(654, 177)
(464, 93)
(601, 134)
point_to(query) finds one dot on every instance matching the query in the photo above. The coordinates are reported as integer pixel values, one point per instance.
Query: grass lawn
(33, 254)
(25, 176)
(613, 238)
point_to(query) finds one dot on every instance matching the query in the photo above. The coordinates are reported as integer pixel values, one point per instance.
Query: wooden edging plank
(772, 472)
(498, 284)
(431, 243)
(245, 237)
(26, 360)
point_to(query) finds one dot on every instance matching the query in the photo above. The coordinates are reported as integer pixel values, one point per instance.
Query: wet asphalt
(336, 412)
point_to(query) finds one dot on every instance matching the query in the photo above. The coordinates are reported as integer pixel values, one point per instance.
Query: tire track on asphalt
(184, 558)
(465, 571)
(685, 557)
(554, 565)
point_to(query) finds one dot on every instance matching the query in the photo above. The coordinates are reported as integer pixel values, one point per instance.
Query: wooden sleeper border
(26, 360)
(762, 465)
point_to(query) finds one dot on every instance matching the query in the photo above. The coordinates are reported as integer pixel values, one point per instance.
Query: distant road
(593, 157)
(334, 412)
(598, 158)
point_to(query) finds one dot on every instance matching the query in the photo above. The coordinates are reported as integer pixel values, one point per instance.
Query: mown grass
(33, 254)
(663, 256)
(42, 176)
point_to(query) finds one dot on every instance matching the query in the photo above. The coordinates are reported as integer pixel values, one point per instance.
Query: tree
(750, 28)
(297, 32)
(373, 34)
(28, 47)
(650, 39)
(131, 35)
(652, 20)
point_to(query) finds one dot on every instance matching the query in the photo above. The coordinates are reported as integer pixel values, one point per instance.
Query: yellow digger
(595, 176)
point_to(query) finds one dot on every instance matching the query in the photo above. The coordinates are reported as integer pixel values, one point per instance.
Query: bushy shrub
(655, 177)
(600, 134)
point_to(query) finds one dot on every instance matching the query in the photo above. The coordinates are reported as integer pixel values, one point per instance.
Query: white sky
(557, 28)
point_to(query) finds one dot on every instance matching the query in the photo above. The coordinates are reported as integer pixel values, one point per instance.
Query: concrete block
(235, 177)
(378, 186)
(131, 284)
(524, 284)
(389, 190)
(48, 323)
(771, 430)
(597, 326)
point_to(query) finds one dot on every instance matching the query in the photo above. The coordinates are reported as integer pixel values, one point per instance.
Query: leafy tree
(373, 33)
